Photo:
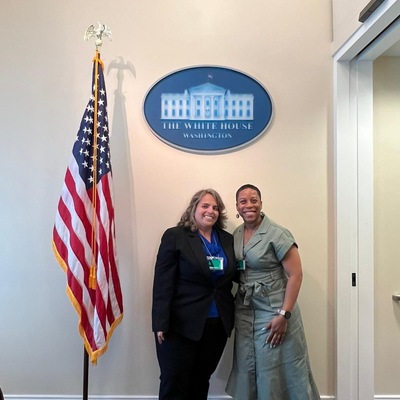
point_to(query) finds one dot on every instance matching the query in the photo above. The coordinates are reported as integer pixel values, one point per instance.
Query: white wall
(345, 16)
(45, 84)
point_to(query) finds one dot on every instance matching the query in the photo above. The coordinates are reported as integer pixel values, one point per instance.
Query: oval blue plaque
(208, 109)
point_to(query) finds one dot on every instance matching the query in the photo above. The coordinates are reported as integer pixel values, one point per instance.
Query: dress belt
(259, 287)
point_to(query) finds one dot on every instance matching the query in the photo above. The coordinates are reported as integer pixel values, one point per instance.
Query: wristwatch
(286, 314)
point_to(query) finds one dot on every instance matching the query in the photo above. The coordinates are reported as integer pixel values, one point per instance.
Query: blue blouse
(214, 249)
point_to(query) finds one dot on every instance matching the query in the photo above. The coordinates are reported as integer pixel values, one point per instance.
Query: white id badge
(241, 265)
(215, 263)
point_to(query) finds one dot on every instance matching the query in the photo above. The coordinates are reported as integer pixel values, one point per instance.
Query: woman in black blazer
(193, 305)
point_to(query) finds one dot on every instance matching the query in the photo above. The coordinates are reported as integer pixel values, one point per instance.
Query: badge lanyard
(241, 264)
(215, 263)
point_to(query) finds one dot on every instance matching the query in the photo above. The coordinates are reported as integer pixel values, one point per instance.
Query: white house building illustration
(207, 102)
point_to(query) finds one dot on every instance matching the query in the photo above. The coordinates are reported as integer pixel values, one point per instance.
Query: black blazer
(183, 288)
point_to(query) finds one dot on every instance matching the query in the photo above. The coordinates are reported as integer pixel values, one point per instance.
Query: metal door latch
(396, 297)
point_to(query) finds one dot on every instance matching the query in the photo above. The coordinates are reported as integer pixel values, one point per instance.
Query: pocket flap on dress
(276, 298)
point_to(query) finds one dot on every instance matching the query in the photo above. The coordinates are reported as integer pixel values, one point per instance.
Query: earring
(237, 215)
(262, 214)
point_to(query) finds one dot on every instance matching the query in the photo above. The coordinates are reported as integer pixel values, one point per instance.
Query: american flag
(84, 229)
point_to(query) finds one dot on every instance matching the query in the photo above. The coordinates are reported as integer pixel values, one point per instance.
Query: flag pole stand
(98, 33)
(85, 374)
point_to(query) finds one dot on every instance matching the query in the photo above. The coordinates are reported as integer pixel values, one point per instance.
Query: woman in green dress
(270, 352)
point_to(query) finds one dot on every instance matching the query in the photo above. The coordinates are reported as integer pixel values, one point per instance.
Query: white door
(367, 215)
(386, 156)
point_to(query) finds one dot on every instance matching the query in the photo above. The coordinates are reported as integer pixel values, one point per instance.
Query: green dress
(260, 372)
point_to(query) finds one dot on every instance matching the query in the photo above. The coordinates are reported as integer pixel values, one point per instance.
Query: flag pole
(85, 374)
(99, 32)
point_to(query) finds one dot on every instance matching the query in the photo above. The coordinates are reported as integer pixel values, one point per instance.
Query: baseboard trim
(117, 397)
(387, 397)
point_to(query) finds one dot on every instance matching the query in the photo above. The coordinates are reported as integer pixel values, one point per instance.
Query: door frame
(353, 195)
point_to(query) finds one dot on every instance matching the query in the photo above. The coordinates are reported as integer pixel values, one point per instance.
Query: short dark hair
(248, 186)
(187, 219)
